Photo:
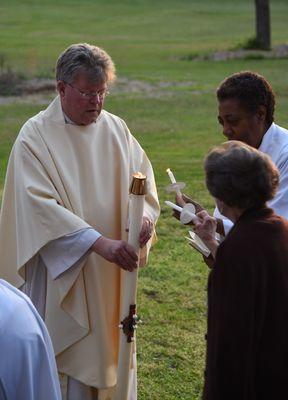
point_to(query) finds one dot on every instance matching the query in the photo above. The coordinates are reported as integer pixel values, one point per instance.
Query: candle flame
(139, 175)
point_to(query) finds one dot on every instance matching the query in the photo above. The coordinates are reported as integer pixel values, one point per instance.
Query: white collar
(266, 139)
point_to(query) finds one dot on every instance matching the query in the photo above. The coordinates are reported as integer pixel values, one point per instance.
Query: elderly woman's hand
(205, 228)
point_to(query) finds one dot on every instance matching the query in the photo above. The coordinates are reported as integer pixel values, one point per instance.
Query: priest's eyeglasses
(88, 96)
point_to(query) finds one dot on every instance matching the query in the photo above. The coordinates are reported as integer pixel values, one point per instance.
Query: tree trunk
(263, 33)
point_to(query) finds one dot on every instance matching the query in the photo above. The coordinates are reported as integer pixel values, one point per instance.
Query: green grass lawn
(175, 122)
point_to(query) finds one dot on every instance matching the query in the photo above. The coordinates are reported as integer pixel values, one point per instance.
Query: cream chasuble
(62, 178)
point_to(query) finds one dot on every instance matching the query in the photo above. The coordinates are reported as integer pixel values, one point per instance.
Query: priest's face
(239, 124)
(82, 101)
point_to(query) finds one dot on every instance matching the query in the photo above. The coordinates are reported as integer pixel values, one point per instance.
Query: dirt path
(37, 91)
(42, 91)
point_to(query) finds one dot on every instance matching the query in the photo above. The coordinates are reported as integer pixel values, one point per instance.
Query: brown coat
(247, 341)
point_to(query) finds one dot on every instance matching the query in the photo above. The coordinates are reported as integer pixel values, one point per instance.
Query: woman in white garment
(246, 104)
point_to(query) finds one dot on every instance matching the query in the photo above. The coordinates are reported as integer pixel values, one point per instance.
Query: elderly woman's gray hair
(240, 175)
(85, 58)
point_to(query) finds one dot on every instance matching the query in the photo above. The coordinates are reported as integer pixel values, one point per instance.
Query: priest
(64, 219)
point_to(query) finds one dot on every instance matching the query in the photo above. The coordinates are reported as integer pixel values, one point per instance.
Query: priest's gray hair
(83, 58)
(240, 175)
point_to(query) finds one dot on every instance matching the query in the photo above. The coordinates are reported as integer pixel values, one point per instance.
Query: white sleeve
(64, 252)
(227, 224)
(280, 202)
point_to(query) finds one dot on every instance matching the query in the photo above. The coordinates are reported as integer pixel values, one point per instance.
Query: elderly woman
(247, 341)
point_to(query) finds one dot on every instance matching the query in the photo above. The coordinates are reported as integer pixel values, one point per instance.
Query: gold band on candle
(138, 184)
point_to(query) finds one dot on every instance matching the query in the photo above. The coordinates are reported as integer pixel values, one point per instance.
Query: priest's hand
(116, 251)
(146, 231)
